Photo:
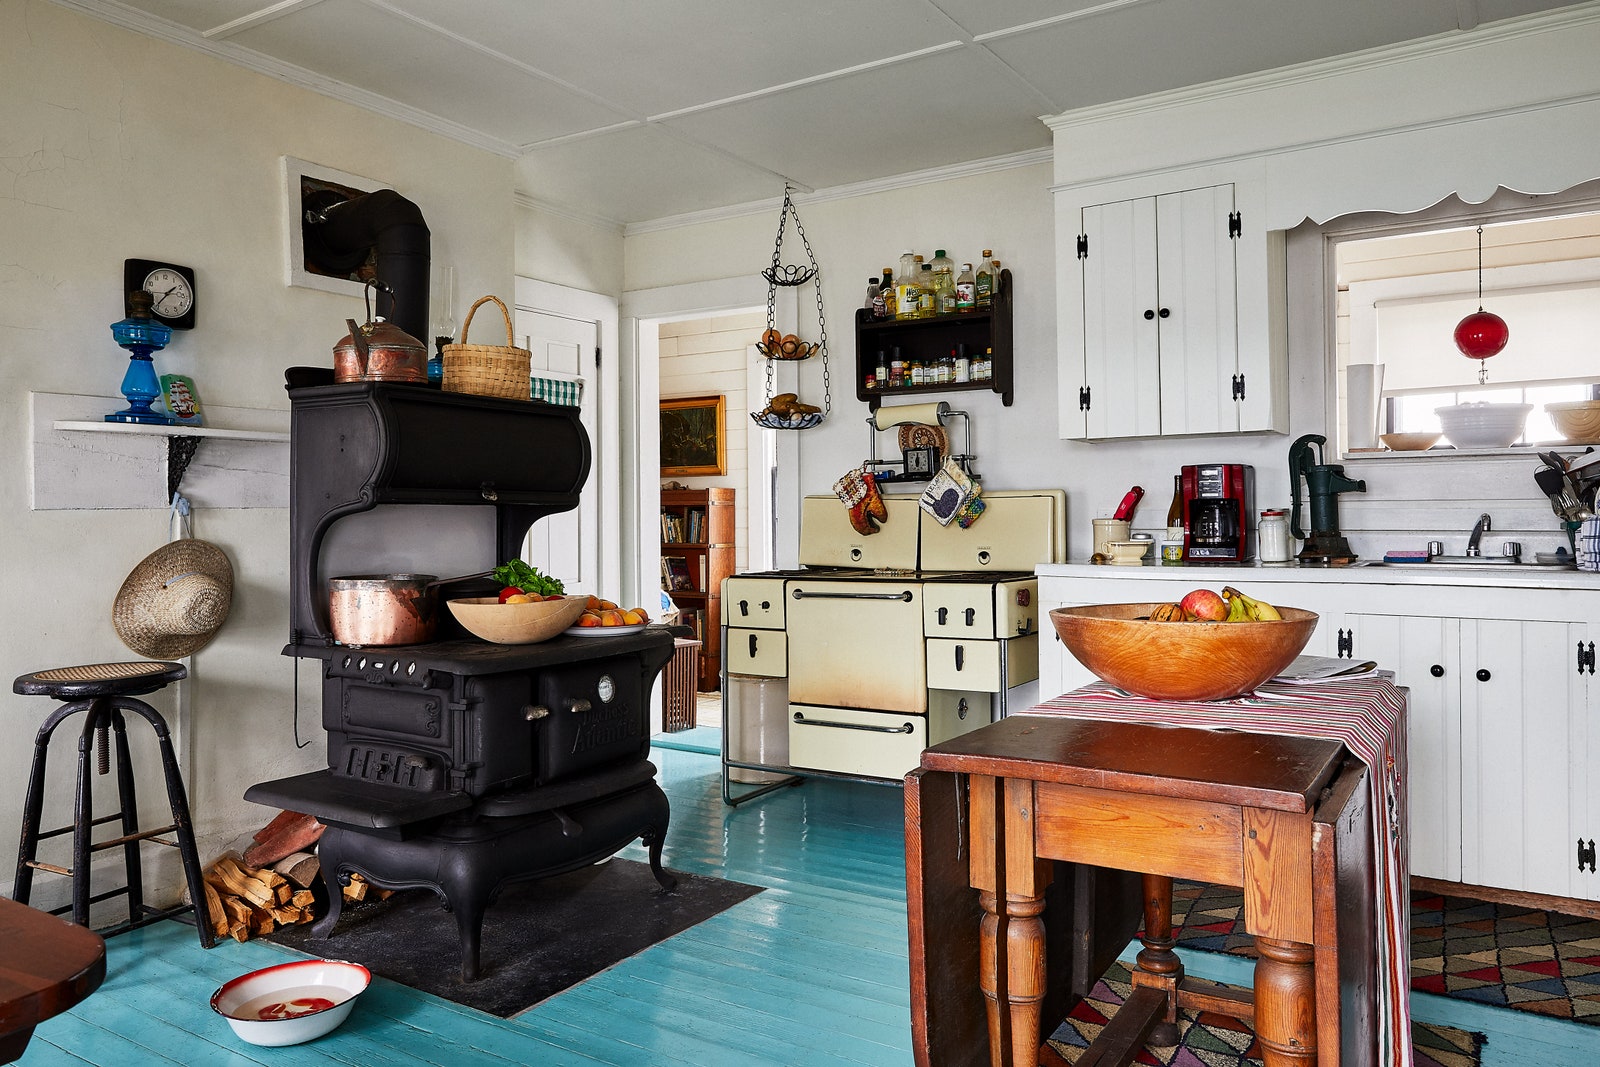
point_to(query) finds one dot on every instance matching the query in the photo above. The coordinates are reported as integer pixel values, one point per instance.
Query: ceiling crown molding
(173, 33)
(550, 207)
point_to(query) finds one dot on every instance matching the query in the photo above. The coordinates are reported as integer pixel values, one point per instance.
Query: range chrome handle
(906, 596)
(903, 728)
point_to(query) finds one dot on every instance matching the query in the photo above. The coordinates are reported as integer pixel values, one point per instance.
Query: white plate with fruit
(603, 618)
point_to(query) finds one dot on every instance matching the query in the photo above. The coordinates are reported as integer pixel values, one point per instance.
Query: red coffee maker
(1216, 512)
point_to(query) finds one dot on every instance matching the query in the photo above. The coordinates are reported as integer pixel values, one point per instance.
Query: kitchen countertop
(1432, 574)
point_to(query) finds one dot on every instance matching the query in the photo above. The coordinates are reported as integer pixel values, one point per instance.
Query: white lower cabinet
(1503, 775)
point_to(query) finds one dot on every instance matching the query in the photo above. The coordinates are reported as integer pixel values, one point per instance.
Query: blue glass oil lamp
(141, 335)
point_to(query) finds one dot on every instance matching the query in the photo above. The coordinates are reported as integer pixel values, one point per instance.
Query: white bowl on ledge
(1483, 425)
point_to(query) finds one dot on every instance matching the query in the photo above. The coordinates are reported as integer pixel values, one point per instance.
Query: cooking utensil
(379, 351)
(1124, 510)
(386, 609)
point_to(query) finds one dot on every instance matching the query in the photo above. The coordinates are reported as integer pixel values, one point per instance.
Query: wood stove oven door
(593, 715)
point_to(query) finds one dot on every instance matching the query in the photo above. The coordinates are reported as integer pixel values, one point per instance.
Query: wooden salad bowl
(516, 624)
(1180, 660)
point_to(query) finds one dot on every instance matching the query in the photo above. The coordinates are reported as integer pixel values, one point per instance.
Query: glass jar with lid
(1272, 536)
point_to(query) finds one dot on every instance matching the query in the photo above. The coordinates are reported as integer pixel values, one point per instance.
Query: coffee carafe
(1324, 544)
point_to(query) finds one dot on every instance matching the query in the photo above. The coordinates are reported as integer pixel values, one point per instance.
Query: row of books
(675, 576)
(688, 528)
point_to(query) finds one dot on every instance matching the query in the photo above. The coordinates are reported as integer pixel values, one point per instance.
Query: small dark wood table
(1285, 818)
(47, 965)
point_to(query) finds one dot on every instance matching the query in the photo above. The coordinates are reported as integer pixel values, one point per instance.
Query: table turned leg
(1158, 965)
(1286, 1003)
(1014, 990)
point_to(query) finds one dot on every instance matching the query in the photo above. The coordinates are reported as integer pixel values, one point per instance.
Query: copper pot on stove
(379, 351)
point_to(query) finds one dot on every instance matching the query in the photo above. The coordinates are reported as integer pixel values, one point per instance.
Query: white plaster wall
(553, 247)
(114, 145)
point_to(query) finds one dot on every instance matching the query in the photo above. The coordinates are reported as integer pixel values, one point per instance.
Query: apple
(1205, 605)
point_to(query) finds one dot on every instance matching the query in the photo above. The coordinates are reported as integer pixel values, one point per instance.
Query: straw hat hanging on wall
(175, 600)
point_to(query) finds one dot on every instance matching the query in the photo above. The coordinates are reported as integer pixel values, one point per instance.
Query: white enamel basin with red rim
(291, 1002)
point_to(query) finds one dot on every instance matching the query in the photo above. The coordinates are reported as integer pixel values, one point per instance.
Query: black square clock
(170, 286)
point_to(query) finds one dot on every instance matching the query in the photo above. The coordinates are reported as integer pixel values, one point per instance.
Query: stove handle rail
(904, 728)
(904, 595)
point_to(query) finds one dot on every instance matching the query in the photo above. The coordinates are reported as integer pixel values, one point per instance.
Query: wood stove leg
(653, 839)
(469, 925)
(1286, 1003)
(1158, 966)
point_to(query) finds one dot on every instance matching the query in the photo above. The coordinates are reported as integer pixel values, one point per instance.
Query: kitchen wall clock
(170, 286)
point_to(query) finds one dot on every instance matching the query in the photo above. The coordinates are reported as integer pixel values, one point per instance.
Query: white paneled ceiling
(634, 110)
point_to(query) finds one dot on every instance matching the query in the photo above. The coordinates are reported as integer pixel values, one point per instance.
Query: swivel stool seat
(106, 693)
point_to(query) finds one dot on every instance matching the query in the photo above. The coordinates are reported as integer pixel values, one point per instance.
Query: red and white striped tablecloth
(1368, 716)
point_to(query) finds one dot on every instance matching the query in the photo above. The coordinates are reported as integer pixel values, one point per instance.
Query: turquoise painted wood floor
(811, 972)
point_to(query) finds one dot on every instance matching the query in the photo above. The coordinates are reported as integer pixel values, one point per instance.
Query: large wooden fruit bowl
(516, 624)
(1180, 660)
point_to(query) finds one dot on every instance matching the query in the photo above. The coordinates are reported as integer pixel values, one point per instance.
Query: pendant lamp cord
(1480, 268)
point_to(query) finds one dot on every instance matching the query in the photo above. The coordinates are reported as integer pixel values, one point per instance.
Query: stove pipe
(346, 231)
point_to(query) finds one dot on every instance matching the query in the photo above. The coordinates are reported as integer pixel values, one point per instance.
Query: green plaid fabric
(556, 390)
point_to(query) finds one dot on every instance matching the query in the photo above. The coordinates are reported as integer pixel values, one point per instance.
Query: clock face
(171, 296)
(171, 289)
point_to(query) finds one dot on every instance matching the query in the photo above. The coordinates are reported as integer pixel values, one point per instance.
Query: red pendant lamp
(1483, 333)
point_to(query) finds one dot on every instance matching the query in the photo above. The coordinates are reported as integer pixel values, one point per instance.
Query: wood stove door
(594, 713)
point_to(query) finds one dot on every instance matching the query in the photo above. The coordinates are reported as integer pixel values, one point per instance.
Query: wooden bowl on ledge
(516, 624)
(1182, 661)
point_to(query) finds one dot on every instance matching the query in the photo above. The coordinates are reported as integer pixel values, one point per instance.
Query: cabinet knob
(1164, 312)
(1482, 675)
(1436, 670)
(1149, 313)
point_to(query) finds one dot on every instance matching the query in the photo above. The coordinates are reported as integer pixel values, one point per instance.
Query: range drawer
(961, 664)
(760, 652)
(875, 744)
(953, 712)
(984, 609)
(753, 602)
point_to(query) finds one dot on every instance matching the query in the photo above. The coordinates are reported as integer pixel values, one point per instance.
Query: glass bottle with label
(984, 281)
(873, 300)
(884, 308)
(963, 364)
(966, 289)
(1175, 510)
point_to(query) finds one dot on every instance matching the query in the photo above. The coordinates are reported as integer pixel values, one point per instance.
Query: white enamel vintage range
(892, 642)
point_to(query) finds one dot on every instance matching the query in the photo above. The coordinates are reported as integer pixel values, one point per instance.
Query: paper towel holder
(916, 464)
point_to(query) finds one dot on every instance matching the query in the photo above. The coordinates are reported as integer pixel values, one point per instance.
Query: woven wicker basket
(487, 370)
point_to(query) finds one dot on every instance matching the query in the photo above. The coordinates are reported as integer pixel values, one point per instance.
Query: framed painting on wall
(692, 439)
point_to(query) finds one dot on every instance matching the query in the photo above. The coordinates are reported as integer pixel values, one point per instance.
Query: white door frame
(773, 537)
(606, 470)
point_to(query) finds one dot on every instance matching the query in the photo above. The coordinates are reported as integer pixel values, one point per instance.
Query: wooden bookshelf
(697, 553)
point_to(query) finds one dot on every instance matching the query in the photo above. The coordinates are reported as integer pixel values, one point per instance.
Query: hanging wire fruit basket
(784, 411)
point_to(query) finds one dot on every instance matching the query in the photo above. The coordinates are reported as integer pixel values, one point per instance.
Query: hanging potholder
(947, 493)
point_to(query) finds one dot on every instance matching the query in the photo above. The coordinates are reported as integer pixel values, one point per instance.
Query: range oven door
(857, 644)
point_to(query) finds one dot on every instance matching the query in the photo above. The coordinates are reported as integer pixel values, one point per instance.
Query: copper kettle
(379, 351)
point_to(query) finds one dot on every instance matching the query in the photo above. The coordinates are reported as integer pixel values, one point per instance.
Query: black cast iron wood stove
(458, 766)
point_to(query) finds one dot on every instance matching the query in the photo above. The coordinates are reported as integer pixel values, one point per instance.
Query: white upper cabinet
(1171, 314)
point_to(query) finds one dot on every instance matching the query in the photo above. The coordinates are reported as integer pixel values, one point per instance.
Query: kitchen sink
(1476, 563)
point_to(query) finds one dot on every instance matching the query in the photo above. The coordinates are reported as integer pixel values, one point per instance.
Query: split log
(244, 902)
(288, 833)
(301, 868)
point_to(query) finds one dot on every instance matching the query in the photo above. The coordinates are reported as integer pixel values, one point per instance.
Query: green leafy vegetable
(528, 579)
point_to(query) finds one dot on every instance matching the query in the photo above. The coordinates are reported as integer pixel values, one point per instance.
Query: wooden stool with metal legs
(105, 692)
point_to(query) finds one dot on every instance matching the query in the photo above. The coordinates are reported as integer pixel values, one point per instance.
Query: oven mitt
(947, 493)
(859, 491)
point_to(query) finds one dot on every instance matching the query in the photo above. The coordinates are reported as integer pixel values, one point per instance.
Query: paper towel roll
(1363, 391)
(928, 414)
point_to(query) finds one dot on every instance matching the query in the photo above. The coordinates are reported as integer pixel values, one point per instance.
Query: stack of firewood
(270, 885)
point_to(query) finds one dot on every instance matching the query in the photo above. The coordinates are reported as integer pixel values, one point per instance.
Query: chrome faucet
(1478, 530)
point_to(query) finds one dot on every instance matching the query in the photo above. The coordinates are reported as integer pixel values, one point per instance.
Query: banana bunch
(1242, 608)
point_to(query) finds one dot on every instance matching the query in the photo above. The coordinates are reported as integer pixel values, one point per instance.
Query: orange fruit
(633, 617)
(612, 617)
(588, 618)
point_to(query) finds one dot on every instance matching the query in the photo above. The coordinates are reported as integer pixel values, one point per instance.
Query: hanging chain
(777, 274)
(1483, 364)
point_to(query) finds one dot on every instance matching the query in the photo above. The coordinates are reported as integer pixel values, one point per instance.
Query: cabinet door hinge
(1238, 387)
(1235, 224)
(1346, 648)
(1083, 246)
(1585, 657)
(1585, 855)
(597, 356)
(1083, 398)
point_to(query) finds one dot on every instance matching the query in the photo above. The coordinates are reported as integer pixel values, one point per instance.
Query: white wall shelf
(80, 462)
